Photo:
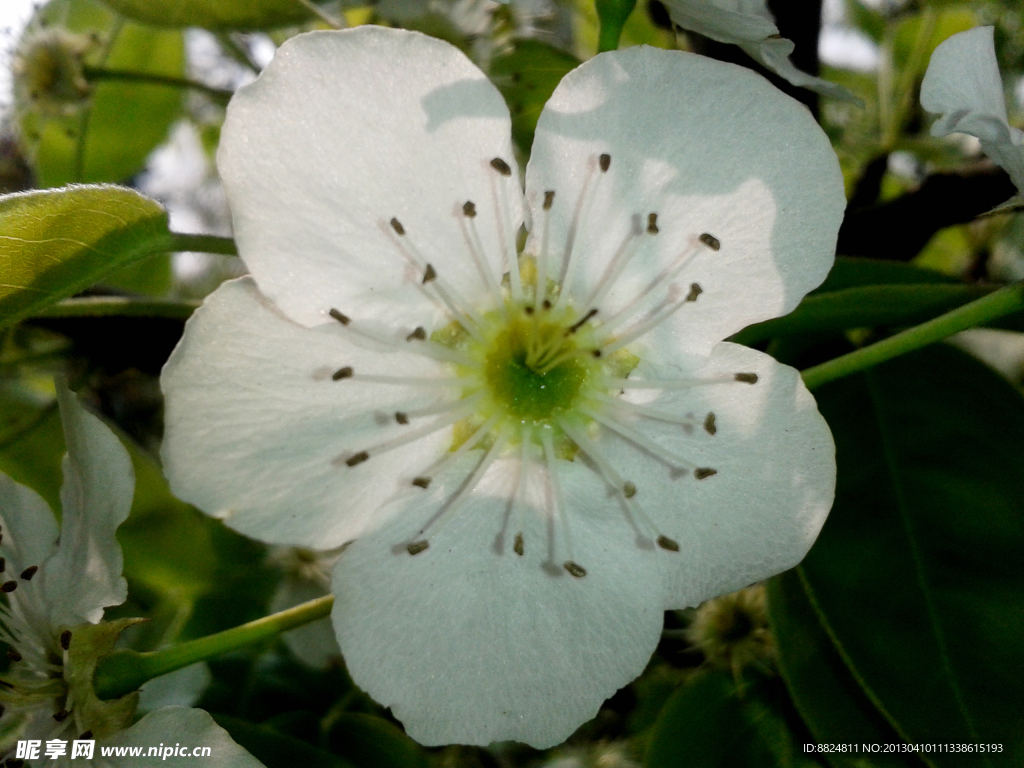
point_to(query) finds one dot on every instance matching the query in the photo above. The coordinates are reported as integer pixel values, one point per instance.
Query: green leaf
(850, 272)
(55, 243)
(918, 571)
(274, 749)
(708, 724)
(222, 14)
(31, 438)
(371, 742)
(123, 122)
(832, 704)
(526, 77)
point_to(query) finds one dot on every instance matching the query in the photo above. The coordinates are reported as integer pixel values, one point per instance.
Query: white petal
(184, 727)
(345, 130)
(963, 86)
(84, 575)
(313, 644)
(258, 433)
(470, 643)
(181, 688)
(749, 166)
(776, 473)
(29, 528)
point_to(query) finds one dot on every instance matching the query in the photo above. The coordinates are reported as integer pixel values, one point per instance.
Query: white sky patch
(842, 45)
(14, 14)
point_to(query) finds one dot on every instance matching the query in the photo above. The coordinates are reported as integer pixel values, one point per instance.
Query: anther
(8, 586)
(65, 639)
(528, 310)
(695, 291)
(652, 223)
(574, 568)
(343, 373)
(359, 458)
(3, 564)
(469, 209)
(401, 418)
(702, 472)
(579, 323)
(343, 319)
(710, 241)
(709, 424)
(606, 162)
(596, 352)
(628, 490)
(501, 166)
(666, 543)
(397, 226)
(546, 304)
(549, 199)
(417, 546)
(420, 333)
(747, 378)
(429, 274)
(61, 716)
(518, 547)
(421, 482)
(29, 572)
(12, 653)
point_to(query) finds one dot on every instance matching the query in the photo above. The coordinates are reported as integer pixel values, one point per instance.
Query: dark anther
(596, 352)
(343, 319)
(695, 291)
(8, 586)
(710, 241)
(528, 310)
(429, 274)
(65, 639)
(709, 424)
(701, 472)
(61, 716)
(420, 333)
(86, 735)
(3, 564)
(606, 162)
(421, 482)
(12, 654)
(652, 223)
(29, 572)
(401, 418)
(343, 373)
(359, 458)
(747, 378)
(549, 199)
(501, 166)
(666, 543)
(397, 226)
(1, 710)
(417, 546)
(579, 323)
(573, 568)
(546, 304)
(629, 490)
(517, 547)
(469, 209)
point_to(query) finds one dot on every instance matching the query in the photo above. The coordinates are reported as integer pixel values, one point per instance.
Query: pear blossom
(532, 449)
(750, 25)
(963, 86)
(56, 584)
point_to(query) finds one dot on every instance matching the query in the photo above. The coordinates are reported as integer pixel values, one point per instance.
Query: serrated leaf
(223, 14)
(54, 243)
(918, 573)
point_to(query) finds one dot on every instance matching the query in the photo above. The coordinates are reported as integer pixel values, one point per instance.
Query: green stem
(122, 672)
(611, 15)
(122, 306)
(221, 95)
(201, 244)
(984, 310)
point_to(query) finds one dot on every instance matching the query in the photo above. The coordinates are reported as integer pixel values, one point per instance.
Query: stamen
(644, 410)
(666, 543)
(417, 546)
(575, 569)
(429, 349)
(559, 510)
(408, 380)
(549, 199)
(359, 458)
(579, 218)
(29, 572)
(501, 166)
(65, 639)
(579, 323)
(421, 482)
(420, 333)
(517, 547)
(521, 484)
(637, 438)
(623, 254)
(710, 241)
(746, 378)
(476, 250)
(3, 564)
(507, 238)
(606, 162)
(652, 223)
(450, 456)
(397, 226)
(401, 418)
(61, 716)
(709, 424)
(343, 373)
(429, 274)
(653, 322)
(8, 586)
(541, 285)
(343, 319)
(702, 472)
(613, 383)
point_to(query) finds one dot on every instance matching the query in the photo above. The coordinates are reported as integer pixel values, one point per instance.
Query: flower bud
(732, 630)
(48, 68)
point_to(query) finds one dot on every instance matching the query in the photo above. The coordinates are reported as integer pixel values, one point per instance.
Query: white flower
(56, 587)
(749, 24)
(522, 512)
(963, 86)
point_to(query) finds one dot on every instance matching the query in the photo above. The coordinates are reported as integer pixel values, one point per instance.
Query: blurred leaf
(833, 706)
(55, 243)
(371, 742)
(854, 272)
(526, 78)
(918, 572)
(866, 19)
(222, 14)
(949, 21)
(123, 121)
(274, 749)
(31, 439)
(707, 724)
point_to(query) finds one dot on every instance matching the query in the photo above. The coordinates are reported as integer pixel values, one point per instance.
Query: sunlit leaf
(222, 14)
(55, 243)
